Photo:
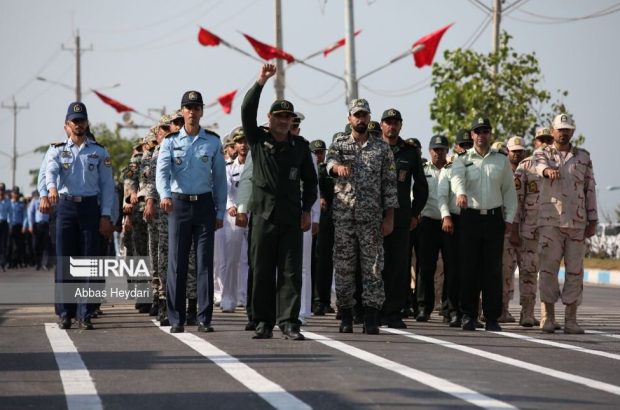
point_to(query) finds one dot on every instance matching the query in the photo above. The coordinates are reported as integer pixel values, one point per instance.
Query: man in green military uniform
(323, 246)
(281, 211)
(396, 276)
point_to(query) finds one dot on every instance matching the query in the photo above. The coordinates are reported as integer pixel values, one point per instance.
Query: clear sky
(150, 48)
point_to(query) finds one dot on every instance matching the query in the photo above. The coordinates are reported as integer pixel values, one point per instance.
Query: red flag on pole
(226, 101)
(118, 106)
(267, 52)
(337, 44)
(206, 38)
(430, 41)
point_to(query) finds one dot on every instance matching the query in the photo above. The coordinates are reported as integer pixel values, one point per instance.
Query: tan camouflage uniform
(359, 202)
(566, 206)
(527, 184)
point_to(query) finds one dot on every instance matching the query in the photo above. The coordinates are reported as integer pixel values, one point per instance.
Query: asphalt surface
(130, 362)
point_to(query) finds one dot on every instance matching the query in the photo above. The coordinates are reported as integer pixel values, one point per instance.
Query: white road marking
(443, 385)
(584, 381)
(560, 345)
(269, 391)
(80, 390)
(598, 332)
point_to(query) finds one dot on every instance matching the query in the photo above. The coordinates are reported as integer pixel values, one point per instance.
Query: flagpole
(413, 50)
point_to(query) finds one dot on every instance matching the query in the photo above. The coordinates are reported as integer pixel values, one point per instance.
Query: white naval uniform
(305, 309)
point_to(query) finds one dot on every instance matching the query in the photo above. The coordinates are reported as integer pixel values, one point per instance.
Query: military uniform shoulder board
(424, 161)
(215, 134)
(583, 149)
(448, 165)
(96, 143)
(499, 152)
(172, 134)
(58, 144)
(460, 154)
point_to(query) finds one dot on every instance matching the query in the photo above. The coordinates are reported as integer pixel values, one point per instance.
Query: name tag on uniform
(292, 175)
(66, 154)
(93, 156)
(469, 165)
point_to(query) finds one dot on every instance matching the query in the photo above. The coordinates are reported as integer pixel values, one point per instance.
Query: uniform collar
(183, 133)
(87, 141)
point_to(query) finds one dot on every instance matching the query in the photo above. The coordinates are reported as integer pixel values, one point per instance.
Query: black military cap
(318, 145)
(282, 106)
(480, 122)
(191, 98)
(76, 111)
(374, 126)
(391, 113)
(463, 137)
(439, 141)
(414, 142)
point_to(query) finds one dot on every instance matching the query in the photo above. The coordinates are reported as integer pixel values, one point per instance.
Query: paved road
(129, 362)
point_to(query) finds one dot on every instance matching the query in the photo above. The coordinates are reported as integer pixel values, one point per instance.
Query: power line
(563, 20)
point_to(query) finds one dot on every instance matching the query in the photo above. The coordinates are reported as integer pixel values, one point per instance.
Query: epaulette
(582, 149)
(172, 134)
(58, 144)
(498, 152)
(215, 134)
(462, 153)
(424, 161)
(96, 143)
(448, 165)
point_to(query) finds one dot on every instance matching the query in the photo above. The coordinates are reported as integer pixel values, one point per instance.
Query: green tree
(466, 88)
(119, 148)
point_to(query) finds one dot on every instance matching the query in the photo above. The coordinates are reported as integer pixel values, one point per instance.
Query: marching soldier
(284, 187)
(191, 183)
(524, 236)
(79, 180)
(486, 194)
(567, 216)
(365, 196)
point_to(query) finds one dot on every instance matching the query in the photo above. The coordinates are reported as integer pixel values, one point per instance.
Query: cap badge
(480, 120)
(193, 96)
(517, 141)
(563, 118)
(77, 108)
(391, 113)
(285, 105)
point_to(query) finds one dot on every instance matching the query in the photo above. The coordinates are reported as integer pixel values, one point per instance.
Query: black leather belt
(483, 212)
(77, 199)
(190, 198)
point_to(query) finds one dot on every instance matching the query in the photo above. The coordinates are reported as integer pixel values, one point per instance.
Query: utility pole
(349, 72)
(497, 18)
(279, 80)
(15, 108)
(78, 64)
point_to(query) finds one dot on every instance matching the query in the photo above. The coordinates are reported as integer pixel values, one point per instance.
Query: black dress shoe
(64, 323)
(144, 308)
(251, 325)
(291, 331)
(154, 310)
(86, 324)
(329, 309)
(493, 326)
(478, 324)
(204, 327)
(319, 310)
(164, 322)
(422, 317)
(263, 331)
(469, 324)
(455, 321)
(177, 329)
(396, 323)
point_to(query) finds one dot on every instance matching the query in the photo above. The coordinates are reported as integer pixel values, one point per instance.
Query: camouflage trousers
(162, 253)
(158, 247)
(555, 243)
(358, 244)
(153, 229)
(127, 243)
(509, 264)
(528, 269)
(139, 233)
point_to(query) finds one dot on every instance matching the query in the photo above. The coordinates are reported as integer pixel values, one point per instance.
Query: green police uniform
(279, 170)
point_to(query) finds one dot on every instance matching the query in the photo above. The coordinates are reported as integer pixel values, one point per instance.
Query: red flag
(118, 106)
(226, 101)
(337, 44)
(206, 38)
(267, 52)
(430, 41)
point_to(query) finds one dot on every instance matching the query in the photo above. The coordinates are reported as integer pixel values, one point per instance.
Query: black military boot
(370, 321)
(191, 312)
(346, 320)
